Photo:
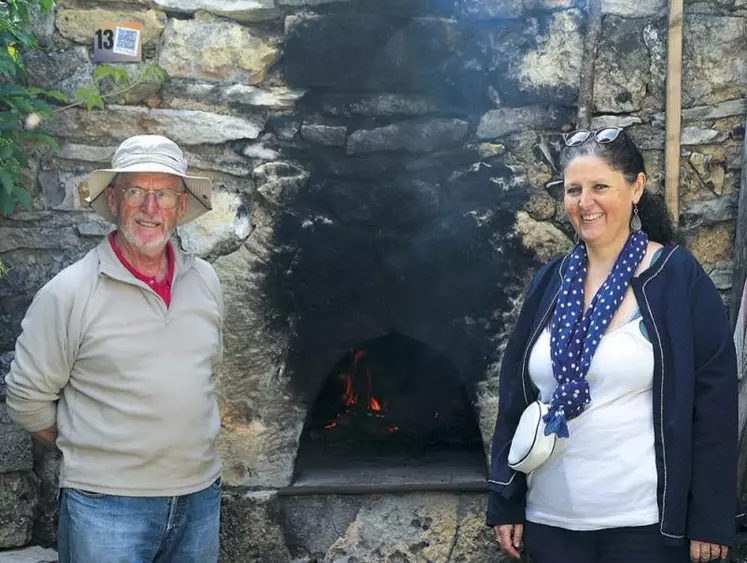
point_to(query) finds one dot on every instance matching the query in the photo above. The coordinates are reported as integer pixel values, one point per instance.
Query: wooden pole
(588, 65)
(740, 241)
(738, 280)
(673, 109)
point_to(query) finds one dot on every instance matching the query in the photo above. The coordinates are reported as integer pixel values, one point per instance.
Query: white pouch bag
(530, 448)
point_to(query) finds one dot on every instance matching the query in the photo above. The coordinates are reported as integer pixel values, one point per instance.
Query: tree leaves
(7, 182)
(51, 94)
(42, 138)
(6, 203)
(90, 97)
(155, 73)
(24, 198)
(19, 103)
(118, 74)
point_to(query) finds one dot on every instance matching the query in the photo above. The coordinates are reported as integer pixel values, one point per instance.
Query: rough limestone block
(212, 49)
(709, 212)
(48, 470)
(639, 9)
(722, 275)
(300, 3)
(623, 66)
(5, 360)
(79, 25)
(535, 60)
(492, 9)
(75, 3)
(504, 121)
(250, 529)
(543, 238)
(19, 496)
(224, 226)
(714, 59)
(16, 452)
(12, 238)
(185, 127)
(378, 105)
(712, 244)
(415, 135)
(239, 10)
(42, 26)
(61, 70)
(407, 527)
(331, 136)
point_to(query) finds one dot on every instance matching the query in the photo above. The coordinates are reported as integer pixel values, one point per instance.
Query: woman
(627, 340)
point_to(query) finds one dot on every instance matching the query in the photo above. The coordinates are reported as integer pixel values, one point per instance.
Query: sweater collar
(649, 272)
(111, 266)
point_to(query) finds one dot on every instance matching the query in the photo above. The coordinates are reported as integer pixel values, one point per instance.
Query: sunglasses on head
(601, 136)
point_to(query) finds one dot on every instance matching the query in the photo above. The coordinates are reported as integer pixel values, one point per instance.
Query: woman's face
(599, 200)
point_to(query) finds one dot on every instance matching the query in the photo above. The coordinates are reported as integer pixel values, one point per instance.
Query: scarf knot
(575, 334)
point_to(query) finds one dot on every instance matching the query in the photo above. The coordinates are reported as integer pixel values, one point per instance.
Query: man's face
(142, 203)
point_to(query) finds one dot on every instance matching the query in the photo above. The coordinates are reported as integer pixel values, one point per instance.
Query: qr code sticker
(126, 41)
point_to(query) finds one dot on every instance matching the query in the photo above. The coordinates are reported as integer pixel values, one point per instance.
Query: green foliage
(90, 97)
(118, 74)
(23, 107)
(155, 73)
(115, 83)
(20, 105)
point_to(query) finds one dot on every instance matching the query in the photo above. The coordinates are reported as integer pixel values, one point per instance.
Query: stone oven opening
(394, 413)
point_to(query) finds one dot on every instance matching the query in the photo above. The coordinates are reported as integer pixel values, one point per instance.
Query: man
(114, 366)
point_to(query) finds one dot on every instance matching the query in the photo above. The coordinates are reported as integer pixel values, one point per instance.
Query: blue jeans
(100, 528)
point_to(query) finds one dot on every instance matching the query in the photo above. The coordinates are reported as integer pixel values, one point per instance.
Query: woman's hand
(508, 537)
(701, 551)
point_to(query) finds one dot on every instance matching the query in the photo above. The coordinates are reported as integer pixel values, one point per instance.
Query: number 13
(108, 38)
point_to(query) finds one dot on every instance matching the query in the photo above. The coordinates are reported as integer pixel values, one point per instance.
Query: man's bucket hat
(151, 153)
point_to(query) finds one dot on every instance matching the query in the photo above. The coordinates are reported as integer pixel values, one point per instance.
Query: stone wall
(413, 140)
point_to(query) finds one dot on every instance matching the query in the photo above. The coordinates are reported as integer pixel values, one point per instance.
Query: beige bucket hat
(150, 153)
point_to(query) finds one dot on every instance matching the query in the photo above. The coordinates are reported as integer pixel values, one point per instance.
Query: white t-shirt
(604, 474)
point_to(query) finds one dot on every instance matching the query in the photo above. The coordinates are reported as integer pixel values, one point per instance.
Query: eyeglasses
(601, 136)
(165, 199)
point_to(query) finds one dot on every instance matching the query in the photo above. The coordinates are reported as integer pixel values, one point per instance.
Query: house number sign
(118, 42)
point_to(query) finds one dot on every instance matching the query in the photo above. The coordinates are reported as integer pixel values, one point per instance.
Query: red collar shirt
(162, 288)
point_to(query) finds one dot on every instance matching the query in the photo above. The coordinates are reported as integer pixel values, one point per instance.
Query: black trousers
(547, 544)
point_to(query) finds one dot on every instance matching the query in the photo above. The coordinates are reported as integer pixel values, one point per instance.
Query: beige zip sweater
(127, 380)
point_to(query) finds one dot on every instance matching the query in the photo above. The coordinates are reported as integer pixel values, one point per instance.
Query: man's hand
(701, 551)
(48, 437)
(508, 537)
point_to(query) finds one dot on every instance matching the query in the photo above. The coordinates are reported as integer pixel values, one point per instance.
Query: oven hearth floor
(438, 470)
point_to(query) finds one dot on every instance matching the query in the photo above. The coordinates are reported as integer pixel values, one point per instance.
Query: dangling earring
(635, 221)
(576, 238)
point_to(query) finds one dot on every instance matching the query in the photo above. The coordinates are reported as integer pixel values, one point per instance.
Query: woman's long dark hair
(622, 155)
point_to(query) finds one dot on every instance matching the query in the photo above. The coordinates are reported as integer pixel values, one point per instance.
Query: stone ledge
(187, 127)
(504, 121)
(238, 10)
(33, 554)
(415, 135)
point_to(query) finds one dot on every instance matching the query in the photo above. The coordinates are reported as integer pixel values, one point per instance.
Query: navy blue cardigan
(694, 391)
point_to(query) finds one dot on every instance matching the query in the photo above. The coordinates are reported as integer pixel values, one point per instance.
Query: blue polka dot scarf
(575, 335)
